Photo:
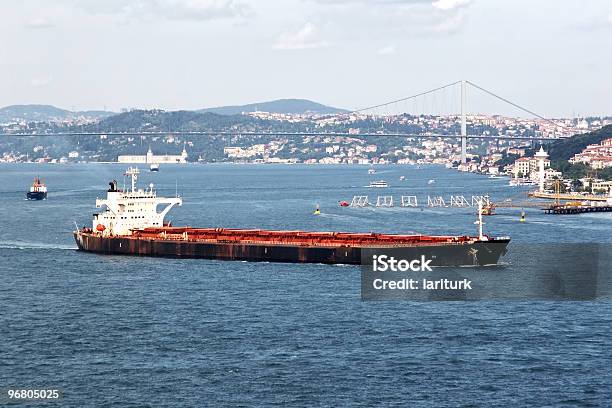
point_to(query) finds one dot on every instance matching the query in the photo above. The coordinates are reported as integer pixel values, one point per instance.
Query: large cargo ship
(132, 225)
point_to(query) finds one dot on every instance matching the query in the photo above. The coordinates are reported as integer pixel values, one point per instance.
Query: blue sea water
(127, 331)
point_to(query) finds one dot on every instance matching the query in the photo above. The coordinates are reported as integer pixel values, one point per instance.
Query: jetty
(568, 196)
(576, 209)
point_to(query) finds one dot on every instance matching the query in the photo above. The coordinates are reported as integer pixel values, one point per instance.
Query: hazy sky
(552, 56)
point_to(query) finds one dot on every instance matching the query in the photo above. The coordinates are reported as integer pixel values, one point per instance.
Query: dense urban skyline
(175, 54)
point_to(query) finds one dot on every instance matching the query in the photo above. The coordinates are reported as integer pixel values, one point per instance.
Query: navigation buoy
(317, 211)
(522, 219)
(343, 203)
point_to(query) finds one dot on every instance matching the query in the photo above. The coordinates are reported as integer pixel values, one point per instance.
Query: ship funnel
(113, 186)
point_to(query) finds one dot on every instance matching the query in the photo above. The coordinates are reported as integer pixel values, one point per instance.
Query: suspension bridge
(378, 110)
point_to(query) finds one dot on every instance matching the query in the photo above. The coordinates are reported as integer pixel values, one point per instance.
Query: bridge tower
(463, 123)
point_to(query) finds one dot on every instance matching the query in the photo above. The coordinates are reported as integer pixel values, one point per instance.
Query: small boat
(488, 209)
(378, 184)
(402, 178)
(38, 191)
(154, 167)
(522, 182)
(371, 170)
(431, 181)
(493, 176)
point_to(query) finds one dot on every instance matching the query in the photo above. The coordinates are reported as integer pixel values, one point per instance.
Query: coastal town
(495, 157)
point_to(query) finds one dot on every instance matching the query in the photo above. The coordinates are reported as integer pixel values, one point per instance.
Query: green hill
(295, 106)
(564, 149)
(43, 113)
(162, 121)
(158, 120)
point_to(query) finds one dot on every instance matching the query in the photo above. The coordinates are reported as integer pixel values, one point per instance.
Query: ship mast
(480, 222)
(133, 172)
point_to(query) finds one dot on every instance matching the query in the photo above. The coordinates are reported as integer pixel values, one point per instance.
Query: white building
(150, 158)
(530, 166)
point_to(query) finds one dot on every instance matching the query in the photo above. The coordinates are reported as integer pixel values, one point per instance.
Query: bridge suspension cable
(501, 98)
(381, 105)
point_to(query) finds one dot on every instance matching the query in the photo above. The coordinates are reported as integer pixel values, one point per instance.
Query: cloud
(39, 23)
(439, 4)
(596, 23)
(41, 81)
(450, 4)
(387, 50)
(390, 2)
(195, 10)
(306, 37)
(401, 17)
(450, 24)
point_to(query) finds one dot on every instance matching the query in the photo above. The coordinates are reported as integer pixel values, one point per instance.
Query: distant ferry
(154, 167)
(38, 191)
(522, 182)
(378, 184)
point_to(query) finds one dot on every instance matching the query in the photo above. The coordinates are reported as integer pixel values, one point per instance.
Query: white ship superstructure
(38, 191)
(38, 186)
(133, 209)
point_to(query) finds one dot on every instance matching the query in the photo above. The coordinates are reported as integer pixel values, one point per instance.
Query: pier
(567, 197)
(576, 209)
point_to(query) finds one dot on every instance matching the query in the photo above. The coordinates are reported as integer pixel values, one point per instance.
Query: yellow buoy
(522, 216)
(317, 211)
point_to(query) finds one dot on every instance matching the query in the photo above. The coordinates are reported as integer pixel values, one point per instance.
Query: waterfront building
(598, 156)
(151, 158)
(521, 167)
(530, 166)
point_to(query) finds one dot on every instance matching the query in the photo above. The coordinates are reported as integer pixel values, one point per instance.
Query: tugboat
(38, 191)
(488, 209)
(131, 225)
(154, 167)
